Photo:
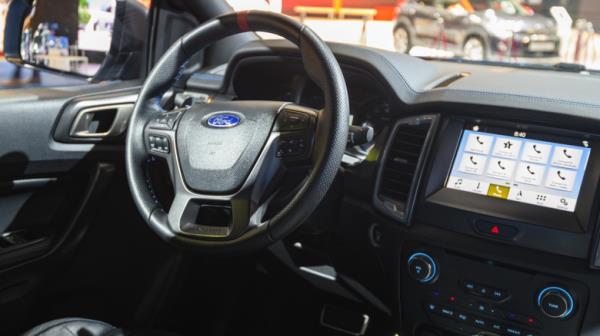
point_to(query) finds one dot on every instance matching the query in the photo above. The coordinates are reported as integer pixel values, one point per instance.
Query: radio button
(498, 294)
(556, 302)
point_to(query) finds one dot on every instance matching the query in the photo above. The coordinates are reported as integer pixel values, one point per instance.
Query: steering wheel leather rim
(331, 131)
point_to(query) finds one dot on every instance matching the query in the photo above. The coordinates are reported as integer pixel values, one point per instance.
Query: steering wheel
(224, 156)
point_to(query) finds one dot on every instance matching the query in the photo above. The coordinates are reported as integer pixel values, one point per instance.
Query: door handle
(101, 121)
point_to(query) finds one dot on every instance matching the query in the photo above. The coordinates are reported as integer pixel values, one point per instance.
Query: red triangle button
(495, 230)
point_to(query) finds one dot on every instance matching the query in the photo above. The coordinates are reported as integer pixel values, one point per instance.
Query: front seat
(85, 327)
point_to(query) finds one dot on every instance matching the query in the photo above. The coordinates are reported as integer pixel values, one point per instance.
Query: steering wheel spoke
(226, 216)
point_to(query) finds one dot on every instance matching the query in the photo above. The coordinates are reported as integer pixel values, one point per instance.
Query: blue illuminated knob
(422, 267)
(556, 302)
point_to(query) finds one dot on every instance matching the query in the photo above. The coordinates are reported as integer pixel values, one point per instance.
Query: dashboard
(474, 208)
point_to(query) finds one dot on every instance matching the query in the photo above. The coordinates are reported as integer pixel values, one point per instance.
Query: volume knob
(422, 268)
(556, 302)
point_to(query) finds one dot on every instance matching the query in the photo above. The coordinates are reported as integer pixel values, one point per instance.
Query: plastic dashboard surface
(490, 92)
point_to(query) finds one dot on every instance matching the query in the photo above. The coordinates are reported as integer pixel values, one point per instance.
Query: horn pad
(218, 144)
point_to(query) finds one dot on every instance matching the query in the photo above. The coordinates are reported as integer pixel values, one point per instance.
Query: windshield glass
(515, 32)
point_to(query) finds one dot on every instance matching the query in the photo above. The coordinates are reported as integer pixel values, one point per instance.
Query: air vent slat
(401, 162)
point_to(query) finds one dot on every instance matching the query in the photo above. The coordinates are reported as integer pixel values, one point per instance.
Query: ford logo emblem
(223, 120)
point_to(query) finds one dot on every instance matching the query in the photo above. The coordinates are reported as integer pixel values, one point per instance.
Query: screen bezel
(447, 146)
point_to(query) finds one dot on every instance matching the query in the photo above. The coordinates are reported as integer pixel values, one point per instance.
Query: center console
(512, 184)
(464, 295)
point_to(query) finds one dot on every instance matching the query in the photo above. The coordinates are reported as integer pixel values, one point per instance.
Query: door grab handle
(101, 121)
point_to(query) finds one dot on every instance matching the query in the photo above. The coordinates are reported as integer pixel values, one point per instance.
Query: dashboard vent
(399, 171)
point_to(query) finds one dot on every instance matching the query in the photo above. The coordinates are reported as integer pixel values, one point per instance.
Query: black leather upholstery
(85, 327)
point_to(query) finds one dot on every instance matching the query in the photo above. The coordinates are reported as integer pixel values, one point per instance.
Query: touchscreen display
(519, 169)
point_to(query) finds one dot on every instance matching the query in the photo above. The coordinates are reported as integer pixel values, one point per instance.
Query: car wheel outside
(402, 41)
(474, 49)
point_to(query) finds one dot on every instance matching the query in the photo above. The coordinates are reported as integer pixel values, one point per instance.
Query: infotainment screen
(520, 169)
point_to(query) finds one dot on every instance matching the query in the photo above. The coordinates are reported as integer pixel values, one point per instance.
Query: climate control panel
(462, 295)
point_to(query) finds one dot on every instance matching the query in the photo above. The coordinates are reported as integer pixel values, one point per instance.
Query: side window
(91, 38)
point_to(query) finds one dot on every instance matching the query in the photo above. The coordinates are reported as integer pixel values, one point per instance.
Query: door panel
(51, 187)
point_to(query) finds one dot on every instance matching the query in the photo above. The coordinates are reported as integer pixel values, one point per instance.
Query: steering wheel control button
(291, 146)
(422, 268)
(166, 121)
(556, 302)
(159, 144)
(494, 230)
(291, 121)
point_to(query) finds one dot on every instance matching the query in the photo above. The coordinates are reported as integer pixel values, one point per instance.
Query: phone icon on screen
(560, 175)
(500, 165)
(473, 160)
(498, 191)
(530, 171)
(535, 148)
(478, 139)
(569, 156)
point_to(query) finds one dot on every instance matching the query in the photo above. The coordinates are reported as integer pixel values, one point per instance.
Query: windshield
(540, 33)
